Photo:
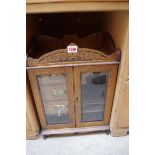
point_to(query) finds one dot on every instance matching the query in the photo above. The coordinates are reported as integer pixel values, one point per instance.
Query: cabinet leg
(44, 137)
(107, 132)
(119, 132)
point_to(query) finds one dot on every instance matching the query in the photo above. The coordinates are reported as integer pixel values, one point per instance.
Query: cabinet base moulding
(32, 135)
(119, 132)
(46, 133)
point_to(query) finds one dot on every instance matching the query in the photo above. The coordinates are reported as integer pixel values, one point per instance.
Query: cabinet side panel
(120, 112)
(32, 123)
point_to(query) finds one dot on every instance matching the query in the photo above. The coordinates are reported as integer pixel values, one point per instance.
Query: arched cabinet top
(83, 55)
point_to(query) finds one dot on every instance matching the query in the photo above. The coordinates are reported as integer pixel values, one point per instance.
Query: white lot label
(72, 49)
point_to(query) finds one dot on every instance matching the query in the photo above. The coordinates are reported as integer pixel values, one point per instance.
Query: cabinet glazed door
(94, 90)
(54, 96)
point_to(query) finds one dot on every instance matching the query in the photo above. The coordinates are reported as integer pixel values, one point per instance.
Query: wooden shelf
(48, 1)
(76, 7)
(55, 85)
(93, 108)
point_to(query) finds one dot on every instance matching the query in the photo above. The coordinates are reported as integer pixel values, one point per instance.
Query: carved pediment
(62, 55)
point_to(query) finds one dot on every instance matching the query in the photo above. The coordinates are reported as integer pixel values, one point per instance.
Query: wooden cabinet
(75, 93)
(76, 18)
(60, 97)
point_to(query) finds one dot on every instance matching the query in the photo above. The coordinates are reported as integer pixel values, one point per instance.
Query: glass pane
(93, 90)
(54, 96)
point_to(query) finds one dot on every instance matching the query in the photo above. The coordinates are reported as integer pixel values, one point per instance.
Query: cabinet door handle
(76, 100)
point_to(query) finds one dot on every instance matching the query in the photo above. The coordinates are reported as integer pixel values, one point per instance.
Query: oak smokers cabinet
(73, 91)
